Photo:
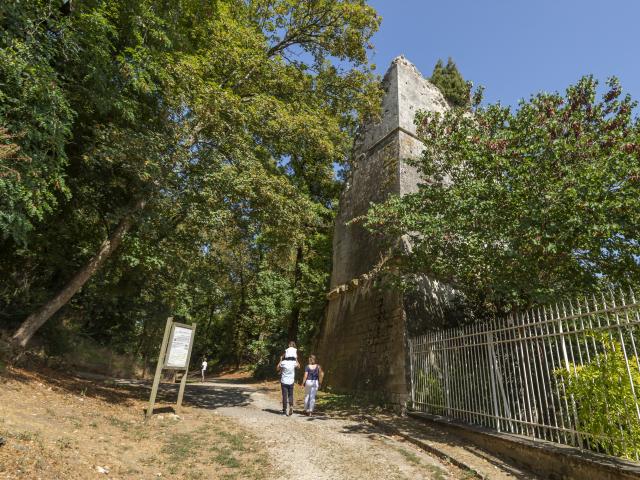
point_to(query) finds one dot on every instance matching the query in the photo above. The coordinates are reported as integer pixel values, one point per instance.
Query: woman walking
(313, 376)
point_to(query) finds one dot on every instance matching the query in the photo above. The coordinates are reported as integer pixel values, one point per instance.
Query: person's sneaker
(290, 410)
(284, 411)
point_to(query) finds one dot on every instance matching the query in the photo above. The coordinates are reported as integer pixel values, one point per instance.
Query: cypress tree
(448, 79)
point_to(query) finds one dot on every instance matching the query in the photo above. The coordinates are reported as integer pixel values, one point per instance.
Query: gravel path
(323, 447)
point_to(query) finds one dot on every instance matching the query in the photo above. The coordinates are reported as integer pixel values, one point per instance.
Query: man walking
(204, 367)
(287, 371)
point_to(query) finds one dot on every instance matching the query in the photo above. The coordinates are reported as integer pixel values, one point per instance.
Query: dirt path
(324, 446)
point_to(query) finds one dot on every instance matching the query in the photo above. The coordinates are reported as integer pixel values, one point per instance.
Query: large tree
(529, 204)
(171, 107)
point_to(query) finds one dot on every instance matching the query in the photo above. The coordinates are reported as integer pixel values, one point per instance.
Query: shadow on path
(156, 411)
(362, 428)
(273, 410)
(228, 381)
(202, 395)
(441, 442)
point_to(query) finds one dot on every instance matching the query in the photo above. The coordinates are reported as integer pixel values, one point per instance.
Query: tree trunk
(239, 348)
(294, 323)
(34, 321)
(212, 309)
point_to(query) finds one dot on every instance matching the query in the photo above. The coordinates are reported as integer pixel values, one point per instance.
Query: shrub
(604, 397)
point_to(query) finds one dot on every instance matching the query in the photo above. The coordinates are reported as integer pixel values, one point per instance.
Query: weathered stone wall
(362, 344)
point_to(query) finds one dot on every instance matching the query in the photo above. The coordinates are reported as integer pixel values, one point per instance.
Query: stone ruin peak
(362, 343)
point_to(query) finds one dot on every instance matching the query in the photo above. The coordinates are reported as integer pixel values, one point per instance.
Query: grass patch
(140, 434)
(121, 424)
(195, 475)
(349, 403)
(229, 476)
(180, 447)
(236, 452)
(149, 461)
(409, 456)
(225, 457)
(23, 436)
(436, 472)
(64, 443)
(234, 439)
(75, 421)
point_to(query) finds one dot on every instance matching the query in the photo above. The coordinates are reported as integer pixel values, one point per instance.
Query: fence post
(411, 373)
(447, 399)
(494, 393)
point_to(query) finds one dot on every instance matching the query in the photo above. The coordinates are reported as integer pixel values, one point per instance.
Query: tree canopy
(175, 158)
(526, 205)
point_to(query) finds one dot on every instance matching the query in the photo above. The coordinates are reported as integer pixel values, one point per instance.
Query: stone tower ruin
(362, 344)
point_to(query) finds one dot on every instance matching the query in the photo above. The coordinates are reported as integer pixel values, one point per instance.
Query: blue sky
(514, 47)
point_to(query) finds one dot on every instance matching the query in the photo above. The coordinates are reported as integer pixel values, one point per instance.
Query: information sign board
(175, 353)
(179, 346)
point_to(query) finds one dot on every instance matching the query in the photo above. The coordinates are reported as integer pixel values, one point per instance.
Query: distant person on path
(204, 367)
(287, 370)
(313, 376)
(291, 353)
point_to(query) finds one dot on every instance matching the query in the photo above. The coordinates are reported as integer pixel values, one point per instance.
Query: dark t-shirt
(313, 373)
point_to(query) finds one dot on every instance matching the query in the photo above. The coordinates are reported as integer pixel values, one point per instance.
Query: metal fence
(567, 373)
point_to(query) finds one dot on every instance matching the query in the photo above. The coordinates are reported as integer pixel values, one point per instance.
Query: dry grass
(57, 426)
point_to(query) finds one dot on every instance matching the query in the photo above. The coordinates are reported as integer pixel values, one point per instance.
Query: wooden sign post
(175, 354)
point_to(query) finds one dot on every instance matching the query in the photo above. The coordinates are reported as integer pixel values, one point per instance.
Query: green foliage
(523, 206)
(226, 116)
(34, 113)
(431, 392)
(605, 399)
(448, 79)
